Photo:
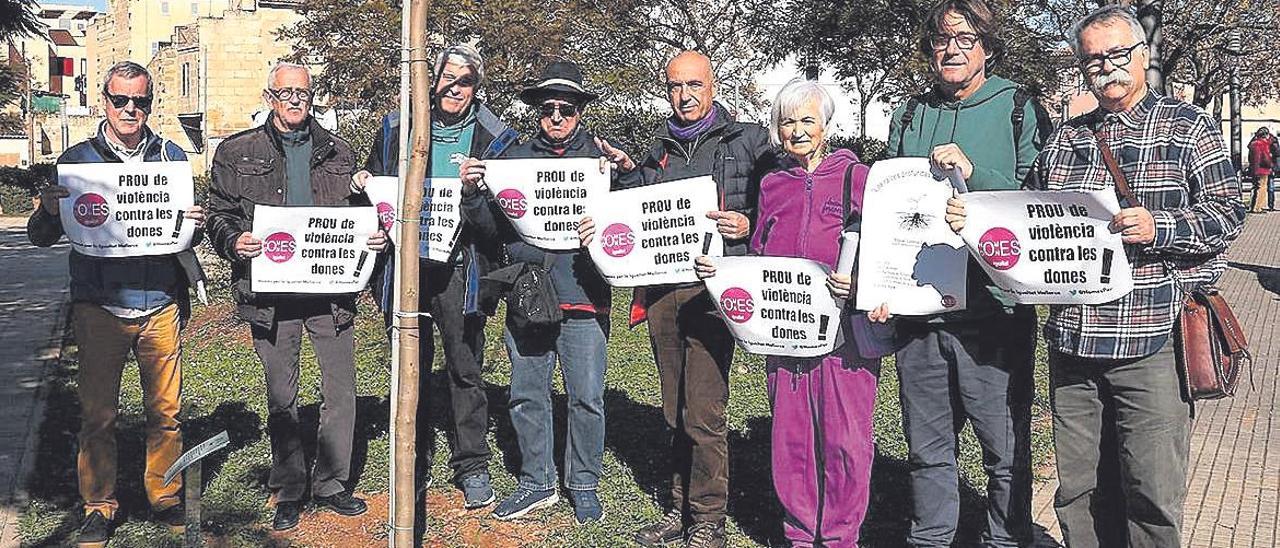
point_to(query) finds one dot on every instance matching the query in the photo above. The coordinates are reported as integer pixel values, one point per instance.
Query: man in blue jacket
(121, 304)
(461, 127)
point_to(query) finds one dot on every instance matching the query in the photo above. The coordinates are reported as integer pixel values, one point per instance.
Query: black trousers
(463, 341)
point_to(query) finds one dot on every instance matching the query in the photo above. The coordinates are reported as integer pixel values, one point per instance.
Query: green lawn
(224, 389)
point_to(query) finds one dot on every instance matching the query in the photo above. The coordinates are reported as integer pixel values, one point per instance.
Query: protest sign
(546, 197)
(1049, 247)
(909, 258)
(384, 194)
(127, 210)
(441, 212)
(778, 306)
(312, 249)
(650, 235)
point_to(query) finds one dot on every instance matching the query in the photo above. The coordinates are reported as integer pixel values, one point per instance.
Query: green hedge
(18, 186)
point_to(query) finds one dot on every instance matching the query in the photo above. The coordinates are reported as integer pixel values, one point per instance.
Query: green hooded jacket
(982, 125)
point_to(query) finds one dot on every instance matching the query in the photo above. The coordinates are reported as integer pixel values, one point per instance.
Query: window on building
(195, 9)
(164, 8)
(64, 24)
(186, 79)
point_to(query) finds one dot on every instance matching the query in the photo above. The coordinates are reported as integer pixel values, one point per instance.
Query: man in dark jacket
(121, 304)
(461, 128)
(692, 346)
(577, 340)
(291, 160)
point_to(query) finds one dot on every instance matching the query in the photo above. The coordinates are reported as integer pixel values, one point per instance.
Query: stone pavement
(33, 305)
(1235, 478)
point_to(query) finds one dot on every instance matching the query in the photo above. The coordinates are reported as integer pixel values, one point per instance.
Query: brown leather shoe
(668, 530)
(705, 534)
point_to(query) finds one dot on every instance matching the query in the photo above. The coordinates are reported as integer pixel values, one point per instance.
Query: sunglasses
(567, 110)
(142, 103)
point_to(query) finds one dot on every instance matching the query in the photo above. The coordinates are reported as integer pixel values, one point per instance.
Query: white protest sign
(1049, 247)
(778, 306)
(441, 212)
(650, 235)
(546, 197)
(127, 210)
(312, 249)
(909, 257)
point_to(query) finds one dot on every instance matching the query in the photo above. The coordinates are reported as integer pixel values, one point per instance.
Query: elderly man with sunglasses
(291, 160)
(558, 98)
(975, 364)
(121, 304)
(1121, 422)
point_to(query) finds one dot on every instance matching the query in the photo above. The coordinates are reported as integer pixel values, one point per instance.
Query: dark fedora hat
(558, 78)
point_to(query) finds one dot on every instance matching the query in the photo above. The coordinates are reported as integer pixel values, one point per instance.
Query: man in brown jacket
(291, 160)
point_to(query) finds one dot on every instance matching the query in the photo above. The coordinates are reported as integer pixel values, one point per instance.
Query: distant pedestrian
(1261, 163)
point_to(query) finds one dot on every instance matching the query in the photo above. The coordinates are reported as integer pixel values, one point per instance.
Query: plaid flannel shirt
(1177, 165)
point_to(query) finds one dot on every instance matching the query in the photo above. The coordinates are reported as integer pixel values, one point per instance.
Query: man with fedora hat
(578, 340)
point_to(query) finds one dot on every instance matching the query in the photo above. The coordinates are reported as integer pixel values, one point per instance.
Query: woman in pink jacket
(822, 407)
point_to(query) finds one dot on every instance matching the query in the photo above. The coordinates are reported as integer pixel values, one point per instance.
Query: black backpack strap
(1019, 115)
(908, 115)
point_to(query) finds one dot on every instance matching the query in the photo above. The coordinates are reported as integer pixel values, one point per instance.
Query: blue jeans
(580, 345)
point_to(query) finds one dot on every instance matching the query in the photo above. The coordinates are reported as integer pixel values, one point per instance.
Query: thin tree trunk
(1151, 15)
(406, 318)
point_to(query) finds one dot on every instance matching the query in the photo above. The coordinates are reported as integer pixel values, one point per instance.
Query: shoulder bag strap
(1127, 198)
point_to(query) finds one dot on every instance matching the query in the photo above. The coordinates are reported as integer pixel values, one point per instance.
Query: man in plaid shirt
(1121, 424)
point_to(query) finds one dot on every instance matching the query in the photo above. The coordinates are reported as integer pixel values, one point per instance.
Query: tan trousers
(104, 342)
(1261, 195)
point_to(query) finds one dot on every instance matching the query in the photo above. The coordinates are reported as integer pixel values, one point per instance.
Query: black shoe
(342, 503)
(668, 530)
(286, 515)
(95, 531)
(173, 517)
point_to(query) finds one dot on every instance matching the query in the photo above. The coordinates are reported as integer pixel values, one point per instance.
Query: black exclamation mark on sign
(177, 225)
(823, 320)
(360, 263)
(706, 243)
(1106, 265)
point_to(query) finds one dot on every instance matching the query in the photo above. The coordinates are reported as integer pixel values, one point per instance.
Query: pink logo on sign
(279, 247)
(386, 214)
(1000, 248)
(512, 203)
(618, 240)
(91, 210)
(737, 304)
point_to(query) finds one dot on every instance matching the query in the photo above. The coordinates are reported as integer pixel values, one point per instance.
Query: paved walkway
(33, 297)
(1235, 443)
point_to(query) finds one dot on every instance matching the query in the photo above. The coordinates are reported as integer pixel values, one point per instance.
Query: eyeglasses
(694, 86)
(142, 103)
(287, 94)
(964, 40)
(567, 110)
(1118, 58)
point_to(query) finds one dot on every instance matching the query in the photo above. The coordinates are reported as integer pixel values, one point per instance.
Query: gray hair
(1107, 15)
(127, 70)
(465, 55)
(285, 65)
(794, 95)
